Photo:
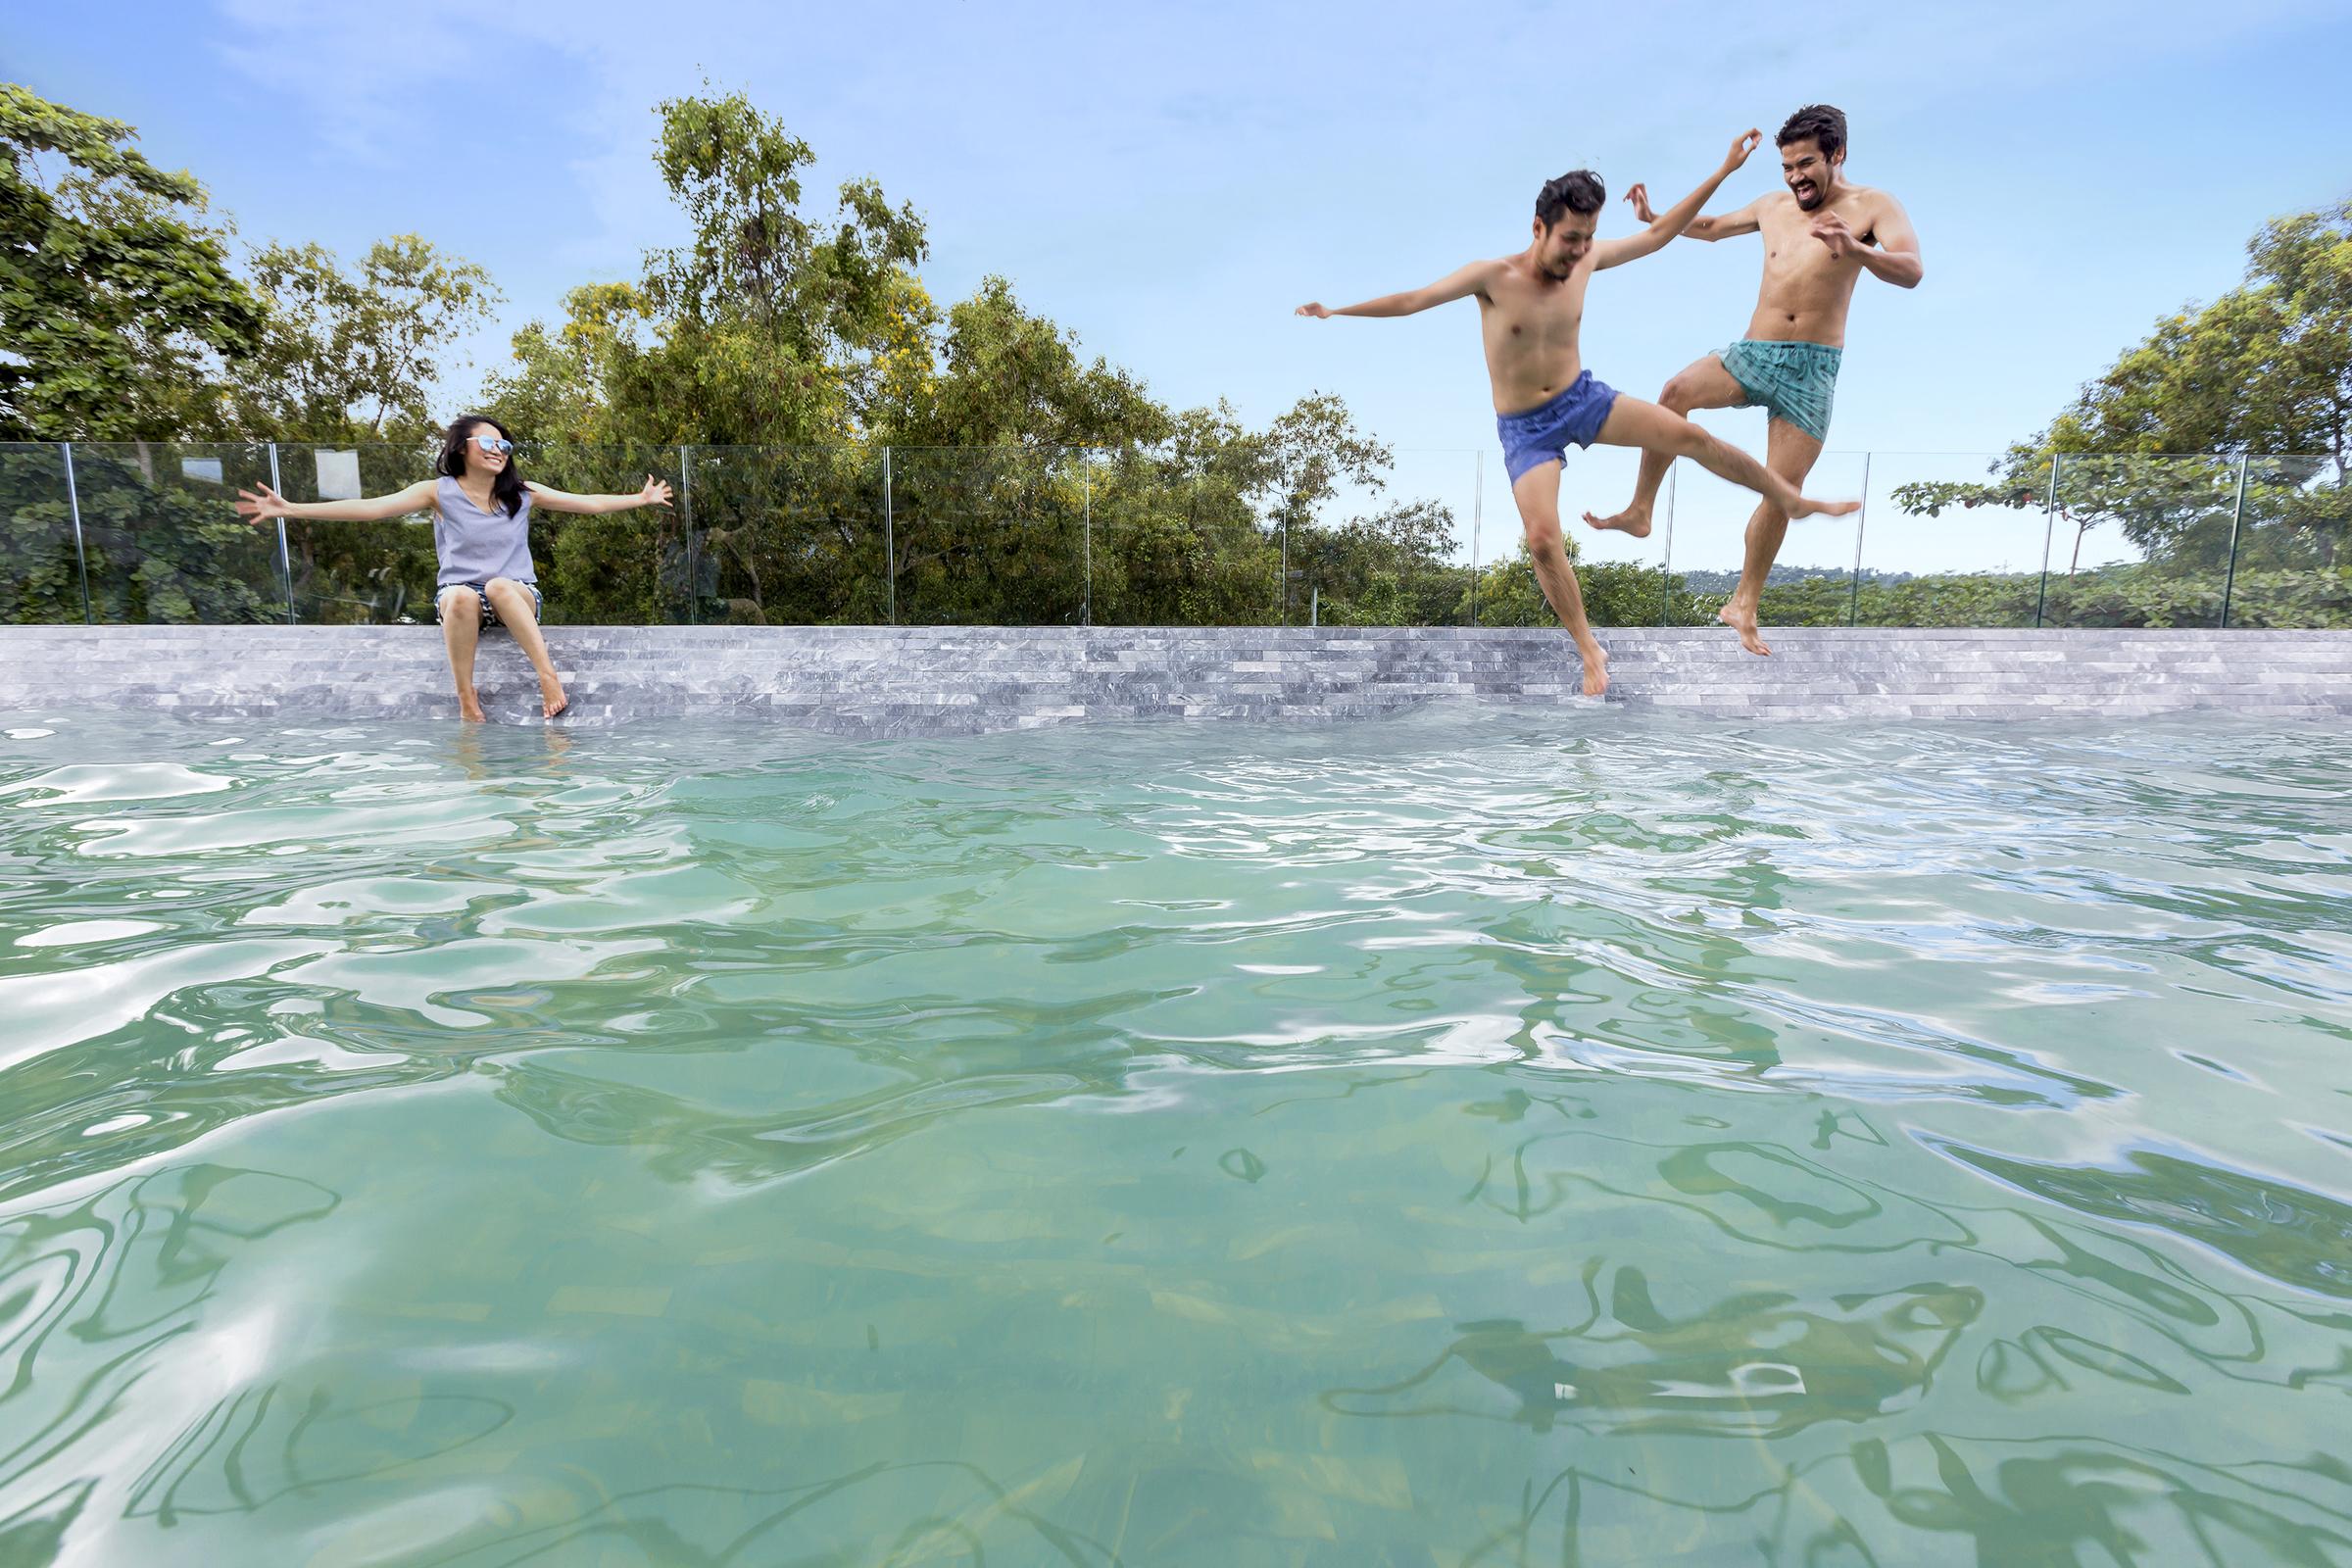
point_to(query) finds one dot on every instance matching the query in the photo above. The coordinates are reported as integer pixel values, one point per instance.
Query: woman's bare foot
(1596, 668)
(551, 696)
(1807, 506)
(1632, 520)
(469, 706)
(1741, 619)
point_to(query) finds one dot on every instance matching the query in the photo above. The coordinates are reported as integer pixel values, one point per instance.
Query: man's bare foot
(469, 706)
(1632, 520)
(1807, 506)
(1743, 620)
(1597, 668)
(551, 696)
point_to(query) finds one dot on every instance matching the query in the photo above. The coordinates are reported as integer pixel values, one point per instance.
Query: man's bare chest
(1790, 245)
(1540, 316)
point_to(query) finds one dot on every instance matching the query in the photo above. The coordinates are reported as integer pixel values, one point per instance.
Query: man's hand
(259, 504)
(1639, 197)
(1831, 230)
(1318, 312)
(1742, 145)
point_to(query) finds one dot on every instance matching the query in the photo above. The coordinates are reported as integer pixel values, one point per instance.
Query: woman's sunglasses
(493, 443)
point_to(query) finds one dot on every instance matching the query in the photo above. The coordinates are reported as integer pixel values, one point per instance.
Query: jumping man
(1818, 236)
(1530, 306)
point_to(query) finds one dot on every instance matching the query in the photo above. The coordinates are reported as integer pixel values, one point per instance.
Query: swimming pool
(1465, 1137)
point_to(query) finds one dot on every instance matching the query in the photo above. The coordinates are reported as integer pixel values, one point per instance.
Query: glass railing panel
(2140, 541)
(1394, 554)
(1061, 536)
(612, 568)
(1176, 543)
(40, 565)
(162, 540)
(357, 573)
(1810, 579)
(991, 536)
(1952, 539)
(1620, 574)
(2293, 563)
(785, 536)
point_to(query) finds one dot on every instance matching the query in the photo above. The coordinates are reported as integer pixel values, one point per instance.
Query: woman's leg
(518, 608)
(461, 611)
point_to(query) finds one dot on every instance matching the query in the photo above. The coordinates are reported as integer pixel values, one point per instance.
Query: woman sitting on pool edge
(481, 532)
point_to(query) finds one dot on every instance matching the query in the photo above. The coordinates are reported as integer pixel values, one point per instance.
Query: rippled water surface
(1482, 1137)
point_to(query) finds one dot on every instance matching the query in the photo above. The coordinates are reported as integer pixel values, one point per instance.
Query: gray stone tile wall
(968, 679)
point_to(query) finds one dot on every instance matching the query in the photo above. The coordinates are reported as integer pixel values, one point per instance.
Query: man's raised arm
(1723, 226)
(1672, 221)
(1460, 283)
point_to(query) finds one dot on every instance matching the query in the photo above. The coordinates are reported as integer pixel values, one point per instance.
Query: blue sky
(1170, 180)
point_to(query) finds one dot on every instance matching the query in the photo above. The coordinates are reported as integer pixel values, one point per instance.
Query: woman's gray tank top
(475, 546)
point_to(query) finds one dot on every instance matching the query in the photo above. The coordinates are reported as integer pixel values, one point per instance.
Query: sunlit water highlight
(1479, 1137)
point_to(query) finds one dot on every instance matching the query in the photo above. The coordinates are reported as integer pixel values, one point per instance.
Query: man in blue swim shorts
(1529, 307)
(1820, 234)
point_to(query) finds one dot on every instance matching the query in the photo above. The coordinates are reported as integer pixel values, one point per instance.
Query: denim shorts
(481, 591)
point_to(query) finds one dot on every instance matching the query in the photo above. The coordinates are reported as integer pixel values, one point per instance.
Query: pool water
(1483, 1137)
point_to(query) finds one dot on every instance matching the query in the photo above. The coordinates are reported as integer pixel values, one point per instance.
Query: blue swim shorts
(1794, 381)
(1541, 435)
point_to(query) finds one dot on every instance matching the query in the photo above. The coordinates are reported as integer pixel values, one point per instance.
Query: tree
(789, 349)
(345, 358)
(1003, 376)
(2256, 385)
(1391, 568)
(773, 318)
(116, 303)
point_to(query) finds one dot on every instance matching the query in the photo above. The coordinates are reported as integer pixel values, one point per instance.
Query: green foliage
(351, 358)
(1176, 541)
(1616, 593)
(1806, 602)
(2265, 368)
(163, 548)
(1388, 569)
(114, 302)
(1951, 599)
(40, 571)
(1005, 377)
(775, 325)
(766, 365)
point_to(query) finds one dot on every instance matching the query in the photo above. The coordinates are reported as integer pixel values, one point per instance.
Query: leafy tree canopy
(2264, 371)
(115, 299)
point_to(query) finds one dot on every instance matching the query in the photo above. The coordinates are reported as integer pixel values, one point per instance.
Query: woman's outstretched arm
(655, 494)
(260, 503)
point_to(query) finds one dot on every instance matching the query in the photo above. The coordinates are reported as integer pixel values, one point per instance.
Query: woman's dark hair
(507, 489)
(1818, 124)
(1578, 190)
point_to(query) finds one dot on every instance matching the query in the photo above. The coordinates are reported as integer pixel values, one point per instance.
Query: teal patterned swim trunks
(1793, 381)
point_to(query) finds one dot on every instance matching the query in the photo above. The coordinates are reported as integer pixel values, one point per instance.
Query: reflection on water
(1466, 1139)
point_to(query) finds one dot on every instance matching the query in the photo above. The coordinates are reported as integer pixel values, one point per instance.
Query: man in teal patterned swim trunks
(1820, 234)
(1531, 312)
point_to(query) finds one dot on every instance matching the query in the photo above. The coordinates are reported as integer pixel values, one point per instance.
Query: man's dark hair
(1580, 190)
(1818, 124)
